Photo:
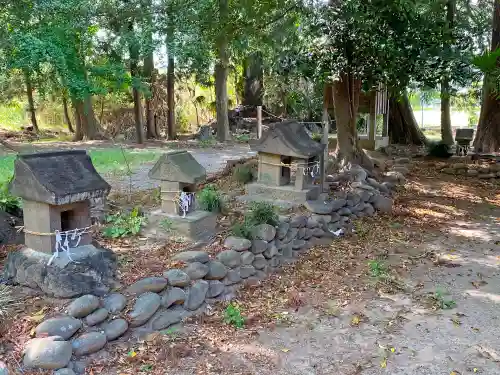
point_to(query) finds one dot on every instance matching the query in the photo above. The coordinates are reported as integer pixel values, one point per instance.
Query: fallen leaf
(132, 354)
(383, 364)
(355, 320)
(285, 350)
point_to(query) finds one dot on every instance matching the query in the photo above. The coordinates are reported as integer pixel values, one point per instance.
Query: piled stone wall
(160, 302)
(483, 172)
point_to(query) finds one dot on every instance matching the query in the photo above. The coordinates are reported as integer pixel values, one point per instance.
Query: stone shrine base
(196, 226)
(283, 193)
(91, 271)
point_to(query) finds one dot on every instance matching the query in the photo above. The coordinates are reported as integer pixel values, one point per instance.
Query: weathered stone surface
(230, 258)
(322, 218)
(215, 288)
(259, 246)
(318, 232)
(264, 232)
(173, 296)
(275, 262)
(149, 284)
(291, 235)
(165, 319)
(309, 233)
(88, 343)
(363, 186)
(384, 188)
(115, 329)
(459, 166)
(96, 317)
(192, 256)
(237, 243)
(335, 217)
(177, 277)
(272, 250)
(312, 223)
(298, 221)
(232, 277)
(259, 262)
(115, 303)
(83, 306)
(196, 270)
(246, 271)
(63, 371)
(472, 173)
(349, 203)
(401, 161)
(369, 210)
(373, 183)
(447, 171)
(298, 244)
(287, 251)
(144, 308)
(64, 326)
(383, 204)
(247, 258)
(498, 174)
(301, 233)
(487, 176)
(495, 167)
(344, 211)
(48, 353)
(354, 197)
(196, 295)
(403, 170)
(364, 195)
(282, 230)
(395, 177)
(388, 185)
(333, 227)
(217, 270)
(358, 208)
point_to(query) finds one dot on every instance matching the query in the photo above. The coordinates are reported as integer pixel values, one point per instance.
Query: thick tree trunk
(254, 80)
(31, 102)
(86, 125)
(346, 91)
(78, 110)
(134, 72)
(151, 130)
(488, 131)
(67, 119)
(446, 132)
(172, 131)
(403, 127)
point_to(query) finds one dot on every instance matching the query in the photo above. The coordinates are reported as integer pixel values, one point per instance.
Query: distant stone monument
(284, 146)
(179, 173)
(59, 257)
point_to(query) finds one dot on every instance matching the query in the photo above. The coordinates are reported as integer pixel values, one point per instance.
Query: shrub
(8, 202)
(262, 213)
(243, 230)
(318, 137)
(233, 316)
(210, 199)
(243, 174)
(124, 224)
(439, 150)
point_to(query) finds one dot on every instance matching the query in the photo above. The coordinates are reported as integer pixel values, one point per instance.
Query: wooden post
(259, 121)
(325, 141)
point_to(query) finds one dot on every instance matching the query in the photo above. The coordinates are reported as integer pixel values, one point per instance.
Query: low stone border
(472, 170)
(160, 302)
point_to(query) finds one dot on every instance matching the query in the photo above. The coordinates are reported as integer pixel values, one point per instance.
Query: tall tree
(488, 131)
(448, 36)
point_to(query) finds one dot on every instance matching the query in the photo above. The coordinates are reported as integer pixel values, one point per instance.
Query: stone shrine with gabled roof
(285, 145)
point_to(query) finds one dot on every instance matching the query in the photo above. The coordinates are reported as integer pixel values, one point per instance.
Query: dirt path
(444, 239)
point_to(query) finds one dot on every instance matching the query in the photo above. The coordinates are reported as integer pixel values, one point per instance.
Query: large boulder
(173, 296)
(217, 270)
(196, 295)
(177, 277)
(264, 232)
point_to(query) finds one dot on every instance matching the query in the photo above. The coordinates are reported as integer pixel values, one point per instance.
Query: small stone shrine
(59, 257)
(179, 173)
(284, 147)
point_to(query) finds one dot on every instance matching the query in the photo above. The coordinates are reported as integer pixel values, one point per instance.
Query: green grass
(106, 161)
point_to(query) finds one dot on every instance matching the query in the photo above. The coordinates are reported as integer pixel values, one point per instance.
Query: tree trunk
(67, 119)
(446, 132)
(488, 131)
(31, 102)
(151, 131)
(254, 77)
(172, 131)
(86, 123)
(403, 127)
(221, 74)
(134, 72)
(346, 93)
(78, 110)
